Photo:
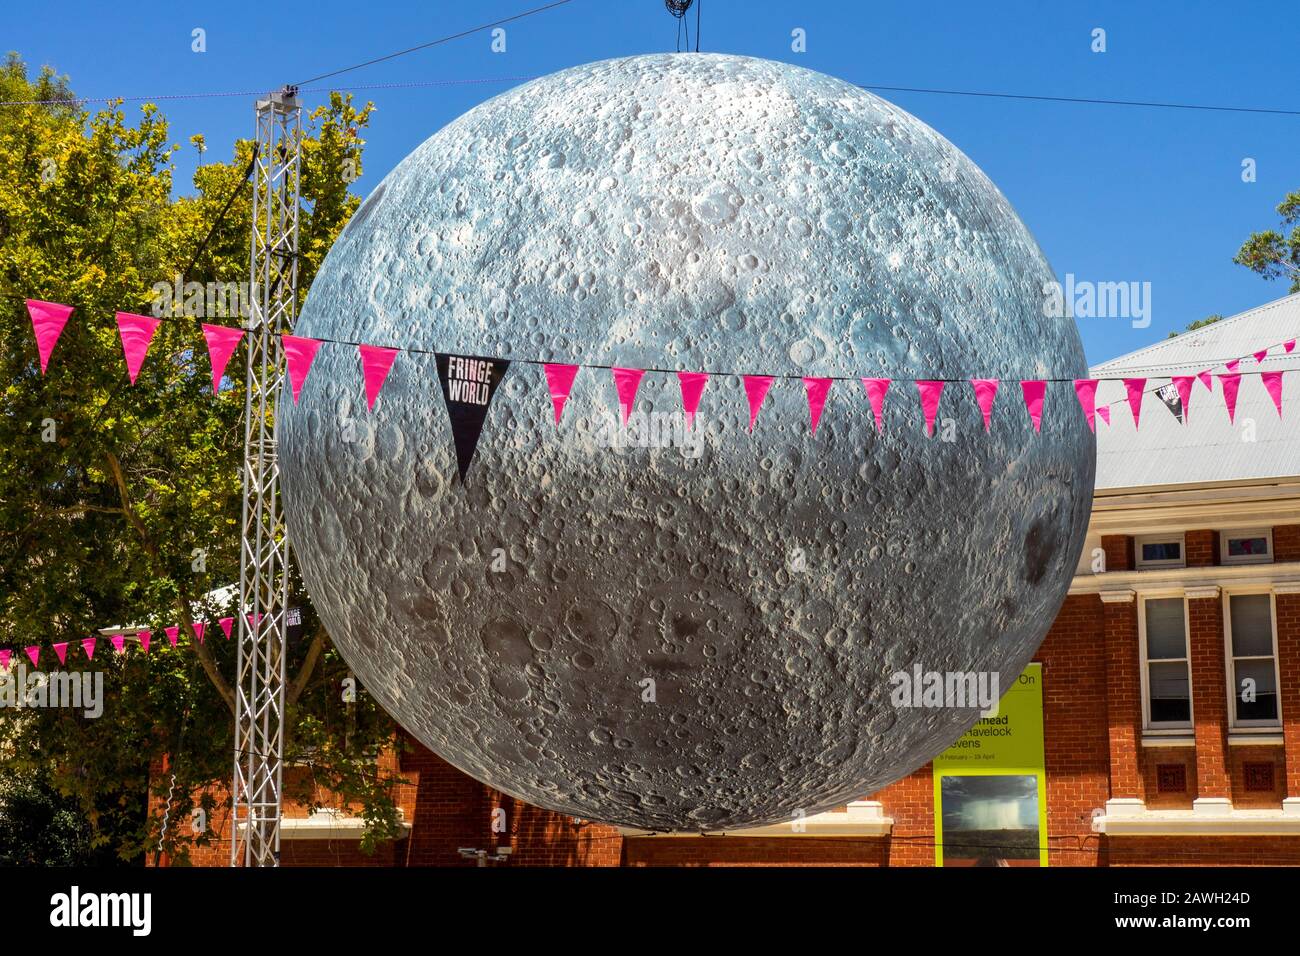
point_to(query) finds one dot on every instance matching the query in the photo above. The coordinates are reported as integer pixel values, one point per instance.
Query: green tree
(1274, 253)
(120, 505)
(1198, 324)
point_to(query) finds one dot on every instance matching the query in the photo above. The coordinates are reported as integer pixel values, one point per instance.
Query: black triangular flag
(1169, 395)
(468, 384)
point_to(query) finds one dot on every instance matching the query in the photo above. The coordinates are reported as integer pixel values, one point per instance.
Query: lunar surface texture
(678, 630)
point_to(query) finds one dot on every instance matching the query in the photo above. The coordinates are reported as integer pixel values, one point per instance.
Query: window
(1166, 674)
(1159, 551)
(1252, 661)
(1246, 547)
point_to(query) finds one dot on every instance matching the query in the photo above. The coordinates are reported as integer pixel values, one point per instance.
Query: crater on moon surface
(698, 212)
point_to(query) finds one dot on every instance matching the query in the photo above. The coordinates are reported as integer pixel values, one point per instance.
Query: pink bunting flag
(299, 353)
(817, 389)
(61, 651)
(253, 620)
(1104, 413)
(930, 392)
(986, 389)
(756, 387)
(136, 332)
(4, 659)
(1086, 389)
(48, 320)
(199, 628)
(1288, 347)
(1230, 383)
(1033, 391)
(222, 341)
(376, 362)
(226, 624)
(559, 379)
(1233, 365)
(88, 645)
(1273, 382)
(34, 653)
(692, 384)
(119, 643)
(1205, 379)
(626, 382)
(876, 389)
(144, 637)
(172, 633)
(1261, 355)
(1183, 383)
(1136, 388)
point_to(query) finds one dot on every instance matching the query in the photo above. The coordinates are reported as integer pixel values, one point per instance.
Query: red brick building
(1171, 675)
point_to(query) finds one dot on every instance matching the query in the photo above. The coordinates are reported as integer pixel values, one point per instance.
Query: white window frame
(1165, 728)
(1142, 539)
(1250, 726)
(1225, 558)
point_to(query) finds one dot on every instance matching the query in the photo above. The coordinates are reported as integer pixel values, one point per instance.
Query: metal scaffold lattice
(264, 547)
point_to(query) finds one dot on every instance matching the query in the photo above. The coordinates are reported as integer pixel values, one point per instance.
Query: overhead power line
(1086, 100)
(431, 43)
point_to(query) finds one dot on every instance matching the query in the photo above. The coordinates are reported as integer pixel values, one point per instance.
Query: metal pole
(264, 545)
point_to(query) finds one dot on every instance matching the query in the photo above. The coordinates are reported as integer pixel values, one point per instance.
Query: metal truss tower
(264, 548)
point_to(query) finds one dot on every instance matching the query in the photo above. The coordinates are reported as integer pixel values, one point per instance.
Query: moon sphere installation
(671, 629)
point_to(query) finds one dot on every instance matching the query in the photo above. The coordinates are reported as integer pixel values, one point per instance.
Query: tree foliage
(120, 505)
(1275, 253)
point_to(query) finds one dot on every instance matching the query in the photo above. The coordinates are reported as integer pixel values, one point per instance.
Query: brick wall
(1092, 743)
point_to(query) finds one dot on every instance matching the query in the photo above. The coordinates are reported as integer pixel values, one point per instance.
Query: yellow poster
(990, 787)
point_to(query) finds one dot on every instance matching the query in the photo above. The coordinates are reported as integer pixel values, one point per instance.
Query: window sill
(328, 825)
(1247, 738)
(1209, 818)
(1150, 739)
(862, 818)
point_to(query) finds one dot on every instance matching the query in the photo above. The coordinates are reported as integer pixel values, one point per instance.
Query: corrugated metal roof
(1208, 449)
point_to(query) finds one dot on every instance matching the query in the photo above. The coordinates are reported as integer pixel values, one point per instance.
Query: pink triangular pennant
(1086, 389)
(136, 332)
(254, 620)
(1136, 389)
(299, 353)
(144, 637)
(34, 653)
(226, 624)
(817, 389)
(756, 387)
(1261, 355)
(1288, 347)
(172, 634)
(119, 643)
(222, 341)
(1231, 384)
(559, 379)
(692, 384)
(88, 645)
(1233, 365)
(1205, 379)
(930, 392)
(4, 659)
(61, 651)
(1273, 382)
(1183, 383)
(375, 365)
(1033, 391)
(986, 389)
(48, 320)
(199, 628)
(1104, 413)
(876, 389)
(626, 382)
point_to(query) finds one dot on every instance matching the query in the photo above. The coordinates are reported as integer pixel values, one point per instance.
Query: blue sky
(1111, 193)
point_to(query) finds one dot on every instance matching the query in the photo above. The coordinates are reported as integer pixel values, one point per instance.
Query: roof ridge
(1168, 342)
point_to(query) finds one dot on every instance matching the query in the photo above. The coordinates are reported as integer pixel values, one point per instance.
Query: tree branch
(182, 600)
(308, 665)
